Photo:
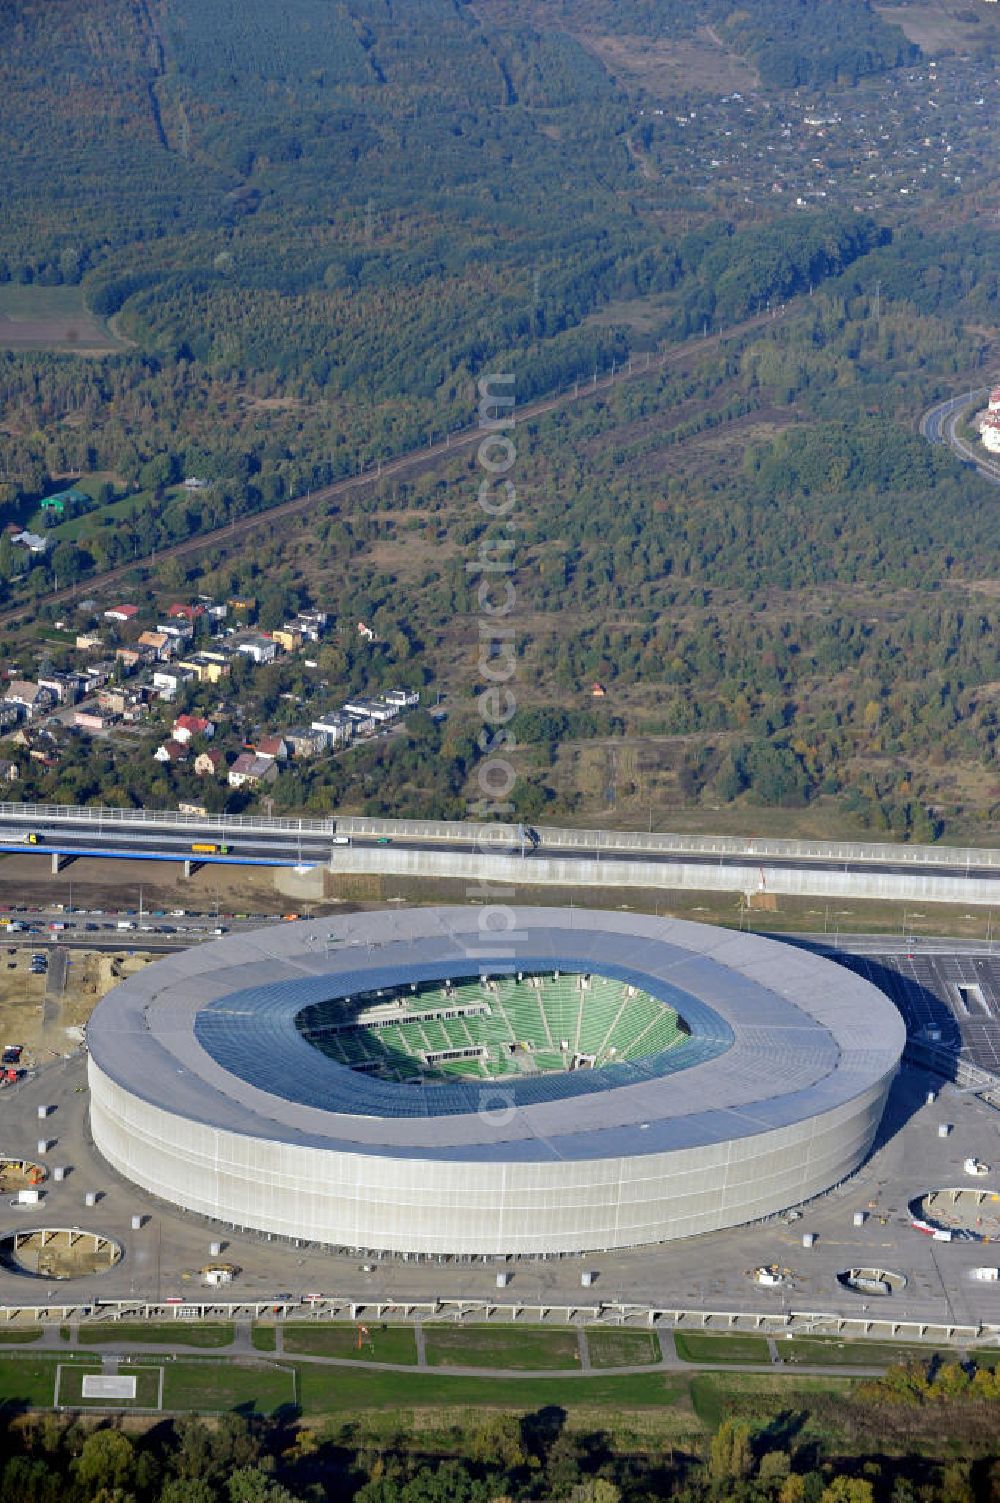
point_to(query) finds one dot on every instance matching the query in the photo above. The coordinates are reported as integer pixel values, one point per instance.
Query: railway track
(411, 464)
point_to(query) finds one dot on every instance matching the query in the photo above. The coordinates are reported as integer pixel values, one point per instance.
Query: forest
(317, 226)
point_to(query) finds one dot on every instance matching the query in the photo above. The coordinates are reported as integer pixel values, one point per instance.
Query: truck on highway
(31, 837)
(207, 848)
(124, 924)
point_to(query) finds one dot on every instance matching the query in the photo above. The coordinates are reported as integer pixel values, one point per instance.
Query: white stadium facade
(476, 1081)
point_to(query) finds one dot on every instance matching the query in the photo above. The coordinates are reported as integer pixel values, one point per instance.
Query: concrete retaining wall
(547, 871)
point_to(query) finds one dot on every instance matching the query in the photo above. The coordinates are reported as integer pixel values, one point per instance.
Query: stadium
(423, 1082)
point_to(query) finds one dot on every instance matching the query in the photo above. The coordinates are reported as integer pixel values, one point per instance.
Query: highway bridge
(543, 856)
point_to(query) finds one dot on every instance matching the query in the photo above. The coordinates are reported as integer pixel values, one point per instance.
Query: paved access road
(939, 424)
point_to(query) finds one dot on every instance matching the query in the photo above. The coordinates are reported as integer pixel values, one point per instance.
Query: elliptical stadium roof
(779, 1035)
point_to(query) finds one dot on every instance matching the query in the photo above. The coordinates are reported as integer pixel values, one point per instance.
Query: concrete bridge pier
(58, 861)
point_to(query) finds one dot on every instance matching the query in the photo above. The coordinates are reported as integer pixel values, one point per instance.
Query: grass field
(16, 1335)
(507, 1346)
(27, 1383)
(264, 1338)
(71, 1376)
(91, 523)
(166, 1333)
(829, 1352)
(252, 1388)
(326, 1390)
(51, 318)
(714, 1395)
(700, 1346)
(613, 1348)
(384, 1344)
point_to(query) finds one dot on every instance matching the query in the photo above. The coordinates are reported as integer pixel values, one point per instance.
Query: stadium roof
(778, 1035)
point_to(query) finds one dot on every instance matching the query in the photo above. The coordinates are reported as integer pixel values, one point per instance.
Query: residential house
(403, 699)
(361, 708)
(186, 726)
(257, 647)
(98, 674)
(210, 763)
(45, 754)
(248, 770)
(335, 727)
(89, 641)
(179, 612)
(198, 810)
(113, 701)
(167, 681)
(129, 657)
(288, 636)
(207, 668)
(157, 644)
(10, 715)
(9, 771)
(311, 624)
(303, 741)
(274, 747)
(179, 629)
(170, 751)
(365, 632)
(121, 613)
(93, 720)
(30, 540)
(68, 688)
(34, 699)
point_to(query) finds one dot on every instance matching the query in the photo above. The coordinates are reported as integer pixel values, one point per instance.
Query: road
(304, 849)
(940, 422)
(287, 849)
(407, 466)
(281, 848)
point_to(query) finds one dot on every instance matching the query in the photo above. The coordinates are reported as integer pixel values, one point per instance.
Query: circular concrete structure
(763, 1083)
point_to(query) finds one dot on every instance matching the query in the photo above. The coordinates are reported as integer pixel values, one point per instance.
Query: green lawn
(37, 317)
(331, 1390)
(702, 1346)
(147, 1388)
(714, 1395)
(383, 1343)
(264, 1338)
(208, 1386)
(27, 1382)
(12, 1335)
(830, 1352)
(91, 523)
(615, 1348)
(32, 300)
(164, 1333)
(509, 1346)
